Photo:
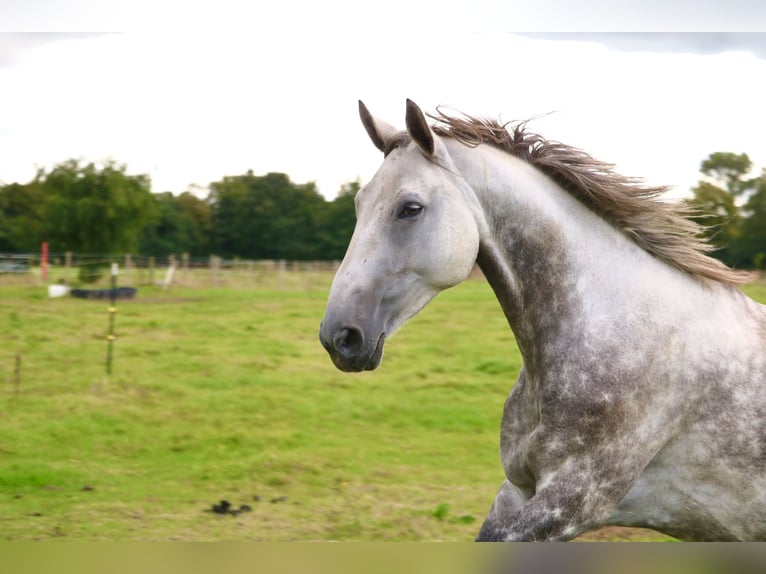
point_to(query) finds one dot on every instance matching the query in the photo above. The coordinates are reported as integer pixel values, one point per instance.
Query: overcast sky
(276, 91)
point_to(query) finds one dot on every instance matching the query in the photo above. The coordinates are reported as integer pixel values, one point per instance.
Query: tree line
(86, 208)
(731, 205)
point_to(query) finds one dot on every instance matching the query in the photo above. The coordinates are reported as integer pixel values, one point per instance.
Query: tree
(182, 224)
(266, 217)
(94, 210)
(717, 213)
(337, 222)
(728, 171)
(197, 217)
(22, 217)
(715, 202)
(752, 241)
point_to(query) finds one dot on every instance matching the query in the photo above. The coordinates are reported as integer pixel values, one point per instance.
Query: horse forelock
(660, 227)
(400, 140)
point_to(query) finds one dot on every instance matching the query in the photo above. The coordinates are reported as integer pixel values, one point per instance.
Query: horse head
(417, 233)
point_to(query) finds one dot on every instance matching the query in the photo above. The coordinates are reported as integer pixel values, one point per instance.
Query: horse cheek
(458, 252)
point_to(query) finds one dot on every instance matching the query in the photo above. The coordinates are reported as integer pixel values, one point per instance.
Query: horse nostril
(348, 341)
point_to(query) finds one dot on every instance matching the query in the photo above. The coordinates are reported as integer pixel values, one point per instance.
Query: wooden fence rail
(138, 270)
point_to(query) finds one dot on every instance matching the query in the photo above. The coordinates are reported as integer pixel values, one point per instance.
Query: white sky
(188, 107)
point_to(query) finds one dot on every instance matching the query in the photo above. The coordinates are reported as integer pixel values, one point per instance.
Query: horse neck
(550, 260)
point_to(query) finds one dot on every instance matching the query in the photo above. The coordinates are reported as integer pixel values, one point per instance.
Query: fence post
(185, 265)
(128, 267)
(67, 266)
(280, 273)
(151, 271)
(112, 310)
(215, 265)
(170, 273)
(309, 270)
(44, 261)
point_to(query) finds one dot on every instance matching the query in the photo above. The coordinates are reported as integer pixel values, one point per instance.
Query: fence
(88, 270)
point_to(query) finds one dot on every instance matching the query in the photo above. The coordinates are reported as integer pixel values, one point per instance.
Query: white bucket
(57, 290)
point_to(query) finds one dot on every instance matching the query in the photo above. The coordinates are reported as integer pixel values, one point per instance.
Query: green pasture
(226, 394)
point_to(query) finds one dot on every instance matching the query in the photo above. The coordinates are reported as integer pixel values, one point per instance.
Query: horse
(642, 397)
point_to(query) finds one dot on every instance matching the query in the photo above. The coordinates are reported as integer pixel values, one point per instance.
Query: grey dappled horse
(642, 399)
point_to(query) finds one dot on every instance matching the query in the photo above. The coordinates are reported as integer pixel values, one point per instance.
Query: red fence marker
(44, 261)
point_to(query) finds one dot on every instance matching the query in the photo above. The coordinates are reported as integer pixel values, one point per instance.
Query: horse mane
(662, 228)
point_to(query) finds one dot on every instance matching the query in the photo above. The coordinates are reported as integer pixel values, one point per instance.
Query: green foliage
(265, 217)
(732, 209)
(91, 272)
(441, 511)
(337, 222)
(182, 224)
(83, 208)
(728, 170)
(270, 217)
(94, 210)
(22, 217)
(442, 514)
(752, 240)
(719, 216)
(76, 207)
(89, 209)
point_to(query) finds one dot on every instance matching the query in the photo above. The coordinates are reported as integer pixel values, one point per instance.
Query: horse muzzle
(350, 350)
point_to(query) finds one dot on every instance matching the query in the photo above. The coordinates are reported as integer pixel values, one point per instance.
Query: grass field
(227, 394)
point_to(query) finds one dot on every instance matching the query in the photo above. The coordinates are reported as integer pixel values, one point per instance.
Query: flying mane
(659, 227)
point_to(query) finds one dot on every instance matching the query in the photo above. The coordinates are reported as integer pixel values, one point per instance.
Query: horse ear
(379, 131)
(418, 128)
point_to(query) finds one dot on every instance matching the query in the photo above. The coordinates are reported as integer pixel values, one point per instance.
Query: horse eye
(409, 210)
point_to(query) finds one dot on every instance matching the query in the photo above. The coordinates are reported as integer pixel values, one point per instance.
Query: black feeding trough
(119, 293)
